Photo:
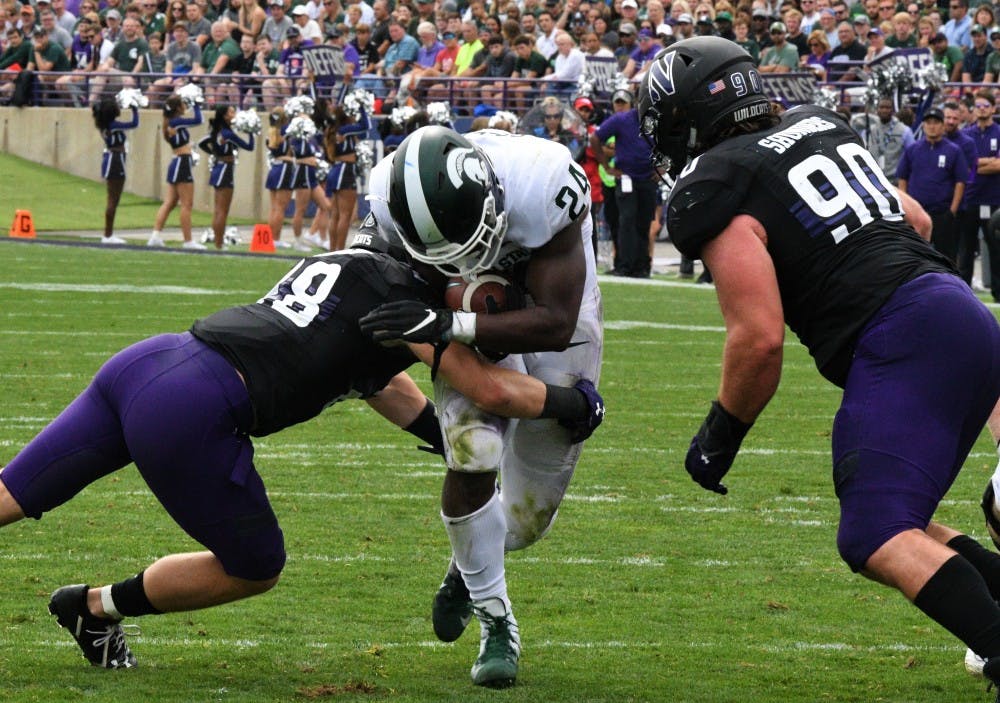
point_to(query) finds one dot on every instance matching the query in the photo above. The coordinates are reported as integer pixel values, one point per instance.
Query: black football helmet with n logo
(694, 90)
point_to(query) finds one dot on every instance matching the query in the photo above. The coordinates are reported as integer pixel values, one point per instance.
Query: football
(484, 293)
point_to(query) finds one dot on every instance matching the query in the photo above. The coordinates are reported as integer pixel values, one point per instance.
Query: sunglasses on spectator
(887, 8)
(553, 117)
(982, 106)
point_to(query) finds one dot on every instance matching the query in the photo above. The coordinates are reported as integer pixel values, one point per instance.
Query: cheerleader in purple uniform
(306, 186)
(180, 177)
(341, 183)
(281, 175)
(223, 143)
(106, 113)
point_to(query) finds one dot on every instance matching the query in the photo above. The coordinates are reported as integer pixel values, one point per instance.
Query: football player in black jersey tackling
(800, 226)
(183, 407)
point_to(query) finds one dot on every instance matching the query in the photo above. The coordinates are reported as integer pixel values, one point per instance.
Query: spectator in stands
(250, 18)
(368, 57)
(884, 136)
(308, 28)
(468, 50)
(266, 62)
(545, 43)
(380, 26)
(925, 32)
(819, 54)
(903, 36)
(48, 57)
(499, 65)
(427, 55)
(567, 65)
(277, 25)
(15, 57)
(199, 28)
(828, 19)
(950, 57)
(850, 51)
(215, 58)
(876, 45)
(57, 35)
(528, 66)
(426, 13)
(183, 57)
(684, 29)
(244, 66)
(591, 45)
(759, 28)
(723, 26)
(627, 43)
(993, 60)
(933, 171)
(958, 26)
(113, 28)
(703, 26)
(974, 61)
(27, 19)
(289, 77)
(741, 28)
(886, 11)
(982, 196)
(66, 19)
(780, 57)
(175, 13)
(151, 19)
(399, 57)
(793, 22)
(127, 57)
(640, 59)
(85, 57)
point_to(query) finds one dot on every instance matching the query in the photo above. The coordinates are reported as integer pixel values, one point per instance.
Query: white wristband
(463, 327)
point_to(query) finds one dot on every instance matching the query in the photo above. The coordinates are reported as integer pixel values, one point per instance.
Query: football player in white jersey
(520, 205)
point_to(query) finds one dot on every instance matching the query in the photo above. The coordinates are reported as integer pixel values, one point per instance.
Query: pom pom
(439, 113)
(504, 116)
(299, 105)
(933, 76)
(400, 115)
(191, 94)
(301, 127)
(128, 98)
(322, 169)
(356, 102)
(826, 97)
(247, 121)
(364, 157)
(195, 158)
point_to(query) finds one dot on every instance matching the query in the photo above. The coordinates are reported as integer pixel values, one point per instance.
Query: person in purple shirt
(635, 189)
(647, 50)
(983, 194)
(934, 172)
(956, 135)
(292, 60)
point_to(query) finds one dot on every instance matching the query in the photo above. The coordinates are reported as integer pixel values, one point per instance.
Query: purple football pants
(179, 410)
(925, 377)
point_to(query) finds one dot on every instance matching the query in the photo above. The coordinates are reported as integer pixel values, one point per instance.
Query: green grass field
(647, 588)
(60, 202)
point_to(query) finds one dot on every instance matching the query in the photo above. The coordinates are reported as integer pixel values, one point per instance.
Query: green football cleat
(452, 609)
(499, 645)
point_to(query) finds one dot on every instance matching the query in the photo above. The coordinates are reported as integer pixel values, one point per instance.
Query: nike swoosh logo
(431, 316)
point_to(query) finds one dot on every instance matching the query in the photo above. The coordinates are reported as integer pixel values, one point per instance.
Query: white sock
(108, 603)
(477, 542)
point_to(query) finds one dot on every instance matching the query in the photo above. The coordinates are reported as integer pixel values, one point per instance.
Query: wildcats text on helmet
(750, 111)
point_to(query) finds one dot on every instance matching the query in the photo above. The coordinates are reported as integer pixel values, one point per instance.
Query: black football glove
(584, 427)
(408, 321)
(714, 448)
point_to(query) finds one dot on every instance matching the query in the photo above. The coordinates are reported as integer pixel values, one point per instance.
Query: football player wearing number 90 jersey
(184, 406)
(518, 204)
(799, 225)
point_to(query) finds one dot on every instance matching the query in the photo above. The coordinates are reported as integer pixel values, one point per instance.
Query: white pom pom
(247, 121)
(301, 127)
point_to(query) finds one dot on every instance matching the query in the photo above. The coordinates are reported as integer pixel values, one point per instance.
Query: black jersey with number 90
(834, 224)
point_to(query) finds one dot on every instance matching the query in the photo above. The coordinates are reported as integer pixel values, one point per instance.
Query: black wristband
(563, 403)
(722, 431)
(427, 427)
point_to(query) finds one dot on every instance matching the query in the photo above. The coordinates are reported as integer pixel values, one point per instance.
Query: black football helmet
(693, 90)
(446, 202)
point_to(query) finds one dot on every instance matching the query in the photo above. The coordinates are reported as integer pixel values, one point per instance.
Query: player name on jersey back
(782, 141)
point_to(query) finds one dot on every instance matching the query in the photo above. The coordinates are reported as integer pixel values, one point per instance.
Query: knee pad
(525, 527)
(474, 448)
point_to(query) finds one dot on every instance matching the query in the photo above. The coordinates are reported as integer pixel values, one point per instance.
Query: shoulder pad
(705, 199)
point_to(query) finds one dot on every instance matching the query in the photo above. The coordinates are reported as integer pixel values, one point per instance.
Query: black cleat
(452, 608)
(102, 640)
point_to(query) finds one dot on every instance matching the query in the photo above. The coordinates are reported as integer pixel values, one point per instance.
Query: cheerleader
(280, 176)
(223, 143)
(106, 113)
(341, 183)
(180, 179)
(306, 186)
